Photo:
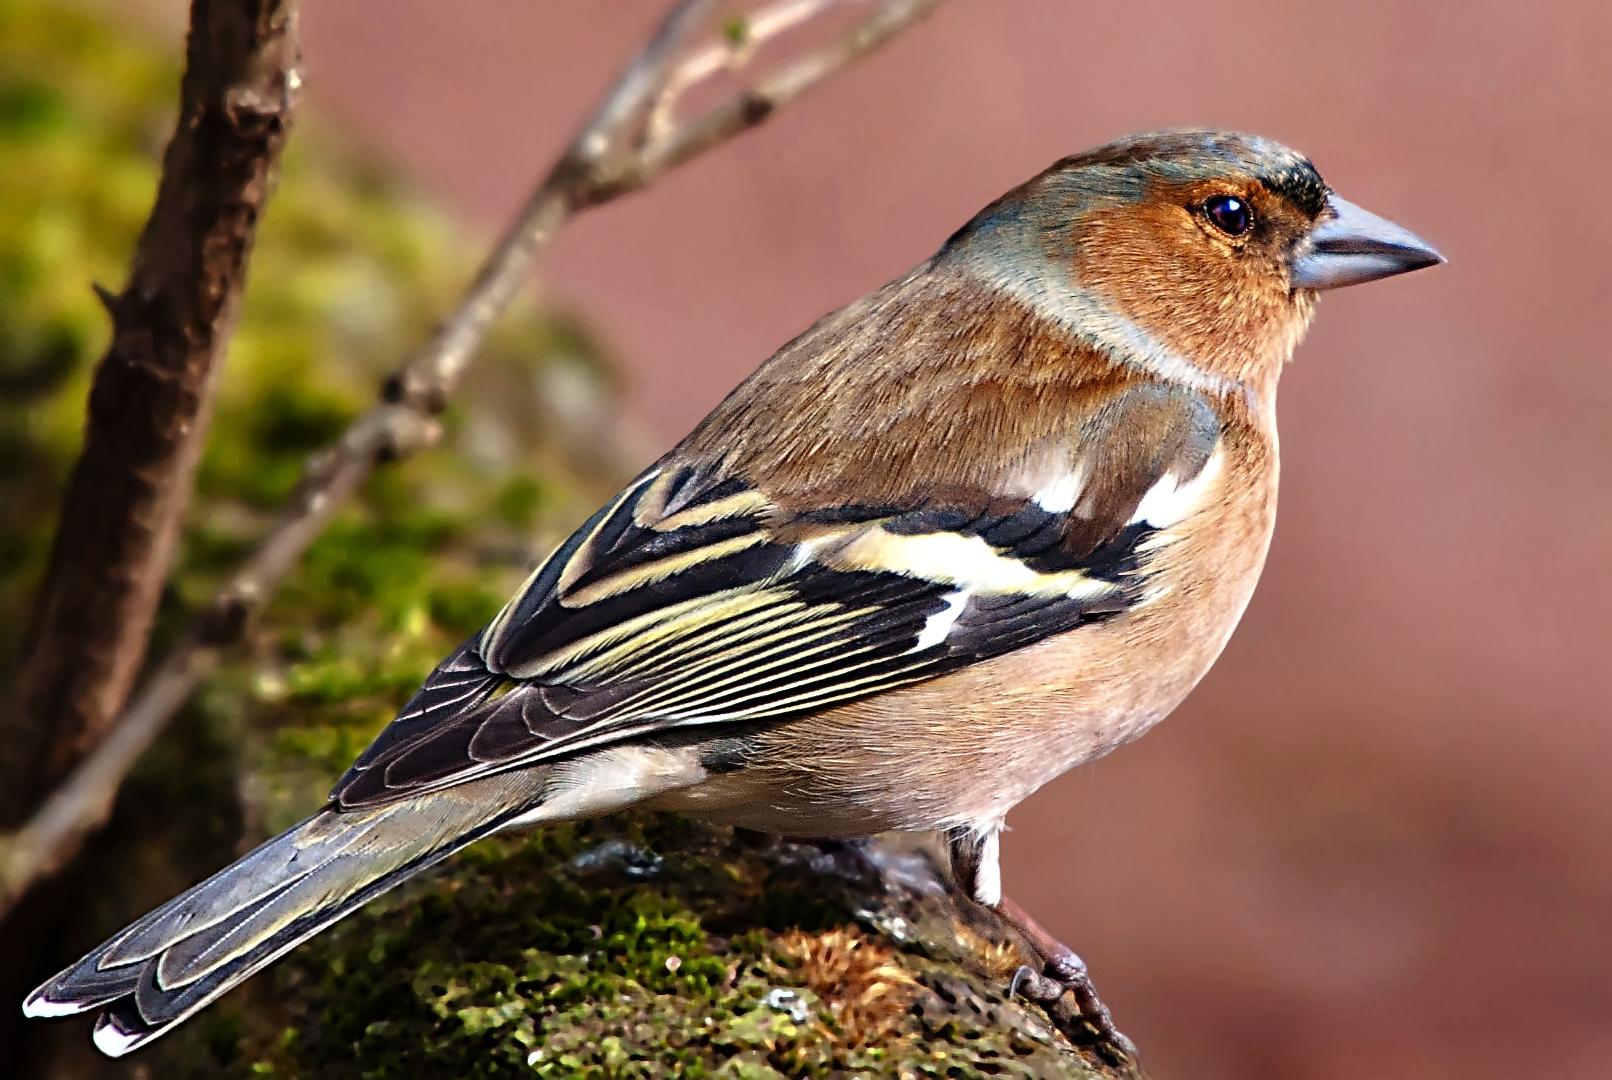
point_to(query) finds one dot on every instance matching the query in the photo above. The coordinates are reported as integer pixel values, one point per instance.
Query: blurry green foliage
(348, 274)
(77, 134)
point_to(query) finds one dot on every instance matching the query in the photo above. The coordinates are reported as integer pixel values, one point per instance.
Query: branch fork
(632, 139)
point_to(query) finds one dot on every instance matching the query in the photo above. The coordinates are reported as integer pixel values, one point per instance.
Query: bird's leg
(975, 866)
(1063, 971)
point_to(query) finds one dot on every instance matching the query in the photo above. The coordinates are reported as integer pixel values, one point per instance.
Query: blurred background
(1374, 842)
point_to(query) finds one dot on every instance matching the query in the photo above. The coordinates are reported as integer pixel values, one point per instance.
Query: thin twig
(615, 154)
(752, 107)
(738, 44)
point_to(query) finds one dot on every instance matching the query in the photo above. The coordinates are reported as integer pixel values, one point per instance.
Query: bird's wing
(692, 599)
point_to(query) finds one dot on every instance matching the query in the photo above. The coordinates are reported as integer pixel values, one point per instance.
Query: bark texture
(148, 410)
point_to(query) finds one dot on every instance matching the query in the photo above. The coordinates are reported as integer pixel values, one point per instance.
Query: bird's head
(1211, 244)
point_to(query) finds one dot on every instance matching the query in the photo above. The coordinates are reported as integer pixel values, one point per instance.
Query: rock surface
(648, 946)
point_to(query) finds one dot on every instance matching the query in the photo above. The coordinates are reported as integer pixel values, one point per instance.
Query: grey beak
(1354, 246)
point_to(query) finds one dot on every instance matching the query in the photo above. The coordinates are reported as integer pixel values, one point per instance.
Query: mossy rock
(646, 947)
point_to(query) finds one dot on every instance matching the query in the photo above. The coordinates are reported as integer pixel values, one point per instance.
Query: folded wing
(693, 599)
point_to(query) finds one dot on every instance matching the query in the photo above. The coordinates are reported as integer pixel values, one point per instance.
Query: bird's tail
(159, 970)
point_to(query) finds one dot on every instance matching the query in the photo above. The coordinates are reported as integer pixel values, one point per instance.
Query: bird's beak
(1354, 245)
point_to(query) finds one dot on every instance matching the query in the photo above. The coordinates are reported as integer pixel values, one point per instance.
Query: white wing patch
(938, 625)
(967, 562)
(1170, 502)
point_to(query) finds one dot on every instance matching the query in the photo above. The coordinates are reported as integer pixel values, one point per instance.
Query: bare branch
(752, 107)
(149, 407)
(738, 44)
(427, 380)
(612, 156)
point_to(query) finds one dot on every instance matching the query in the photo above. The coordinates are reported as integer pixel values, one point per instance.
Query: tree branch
(752, 107)
(741, 38)
(615, 153)
(152, 395)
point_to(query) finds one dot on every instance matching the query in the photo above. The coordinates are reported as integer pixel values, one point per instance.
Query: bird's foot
(1064, 989)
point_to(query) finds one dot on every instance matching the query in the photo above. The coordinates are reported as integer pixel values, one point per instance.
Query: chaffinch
(987, 523)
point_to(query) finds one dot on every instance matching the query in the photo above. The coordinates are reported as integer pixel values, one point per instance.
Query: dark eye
(1229, 214)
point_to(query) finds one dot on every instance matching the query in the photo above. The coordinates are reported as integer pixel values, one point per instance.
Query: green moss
(349, 272)
(637, 946)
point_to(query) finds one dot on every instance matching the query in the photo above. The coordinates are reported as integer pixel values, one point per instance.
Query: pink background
(1375, 842)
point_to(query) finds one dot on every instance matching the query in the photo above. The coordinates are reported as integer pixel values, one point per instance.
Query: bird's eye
(1229, 214)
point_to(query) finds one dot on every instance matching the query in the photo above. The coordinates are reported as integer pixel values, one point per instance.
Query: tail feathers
(181, 956)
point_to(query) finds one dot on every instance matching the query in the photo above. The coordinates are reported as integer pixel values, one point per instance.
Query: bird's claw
(1065, 991)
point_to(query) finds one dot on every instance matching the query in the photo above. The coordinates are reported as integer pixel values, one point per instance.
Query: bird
(983, 525)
